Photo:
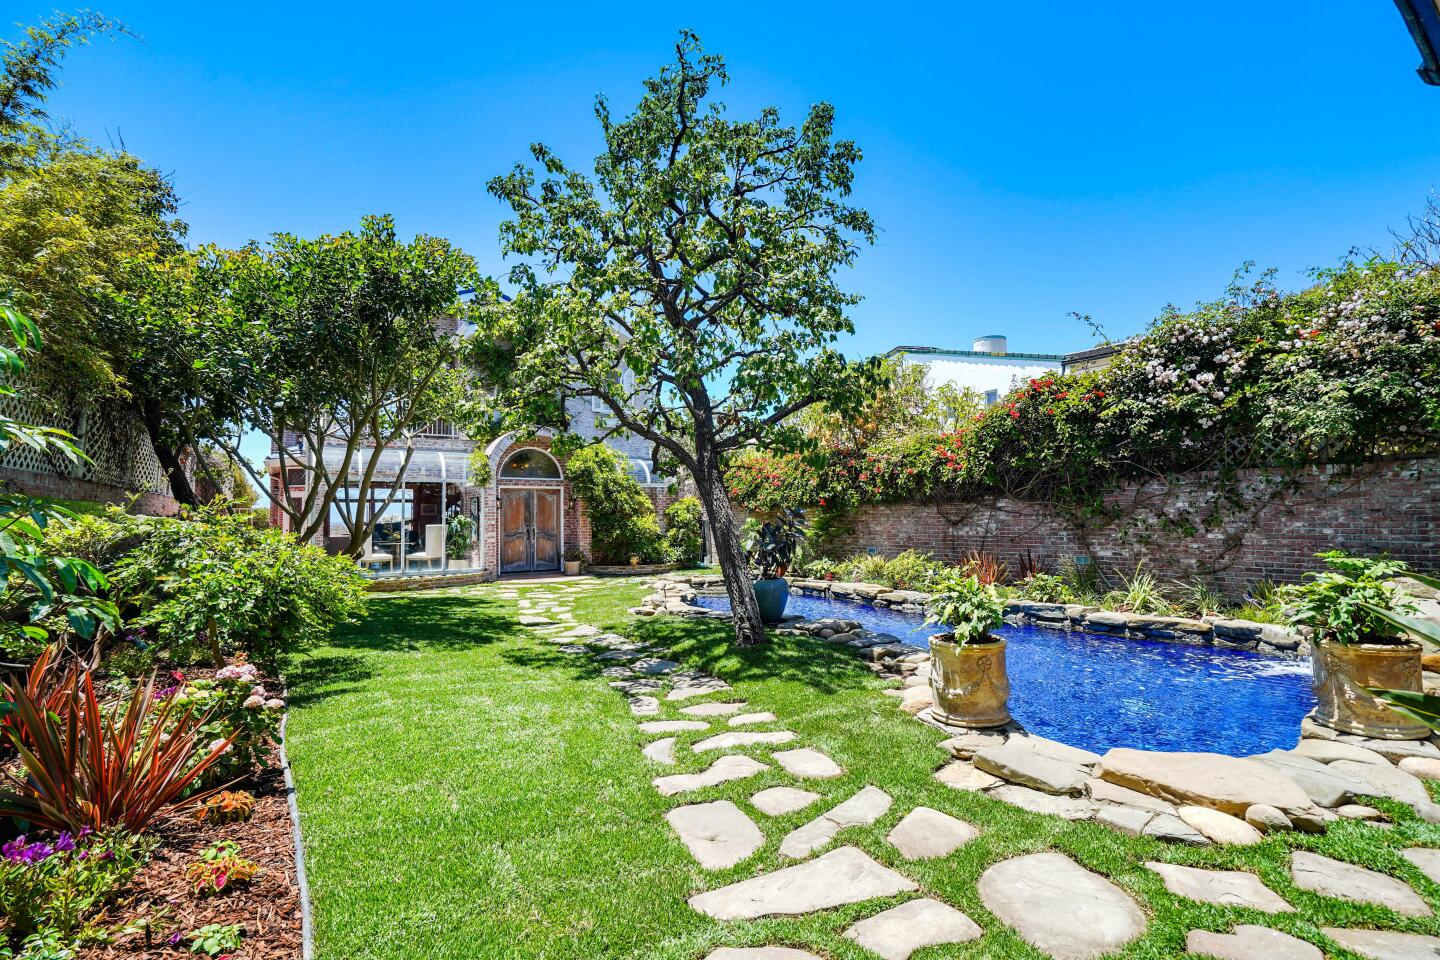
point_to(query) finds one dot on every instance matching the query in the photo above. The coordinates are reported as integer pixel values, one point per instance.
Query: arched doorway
(530, 512)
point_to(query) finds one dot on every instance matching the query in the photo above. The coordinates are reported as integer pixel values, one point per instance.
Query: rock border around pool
(1268, 638)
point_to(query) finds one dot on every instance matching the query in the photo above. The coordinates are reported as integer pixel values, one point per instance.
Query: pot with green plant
(572, 561)
(1358, 645)
(771, 547)
(968, 677)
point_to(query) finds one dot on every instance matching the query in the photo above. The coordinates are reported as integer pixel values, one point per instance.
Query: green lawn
(467, 791)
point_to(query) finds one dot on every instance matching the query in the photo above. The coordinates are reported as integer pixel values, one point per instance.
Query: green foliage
(220, 865)
(51, 890)
(214, 939)
(969, 608)
(1045, 588)
(771, 545)
(1346, 602)
(684, 533)
(459, 535)
(236, 709)
(217, 582)
(1420, 707)
(1198, 598)
(622, 517)
(1139, 593)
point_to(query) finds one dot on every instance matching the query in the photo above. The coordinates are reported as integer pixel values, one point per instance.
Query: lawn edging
(302, 885)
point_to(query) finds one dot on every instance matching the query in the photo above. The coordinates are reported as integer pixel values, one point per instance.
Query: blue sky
(1021, 160)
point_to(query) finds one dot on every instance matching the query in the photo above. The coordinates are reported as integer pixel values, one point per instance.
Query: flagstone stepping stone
(1220, 827)
(808, 763)
(1426, 859)
(636, 686)
(723, 770)
(582, 630)
(962, 775)
(534, 620)
(654, 667)
(861, 810)
(966, 745)
(695, 685)
(1163, 826)
(615, 655)
(1385, 944)
(777, 801)
(642, 706)
(926, 833)
(1017, 763)
(1071, 808)
(618, 672)
(613, 641)
(745, 719)
(1228, 888)
(1388, 782)
(672, 726)
(1103, 792)
(574, 648)
(1249, 942)
(1346, 881)
(900, 931)
(842, 876)
(747, 738)
(1228, 784)
(661, 751)
(713, 709)
(760, 953)
(1059, 907)
(718, 835)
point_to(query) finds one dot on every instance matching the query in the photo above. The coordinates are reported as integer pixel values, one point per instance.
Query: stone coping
(1268, 638)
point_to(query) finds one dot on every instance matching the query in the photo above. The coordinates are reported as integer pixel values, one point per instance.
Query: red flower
(1014, 414)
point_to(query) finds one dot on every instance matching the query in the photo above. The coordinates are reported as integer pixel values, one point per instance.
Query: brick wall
(70, 488)
(1181, 528)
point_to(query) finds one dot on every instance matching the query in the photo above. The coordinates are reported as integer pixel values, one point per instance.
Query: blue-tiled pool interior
(1095, 691)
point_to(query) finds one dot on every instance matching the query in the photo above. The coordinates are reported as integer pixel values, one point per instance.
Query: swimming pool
(1095, 691)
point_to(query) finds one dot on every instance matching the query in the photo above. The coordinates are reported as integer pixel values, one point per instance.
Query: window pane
(530, 465)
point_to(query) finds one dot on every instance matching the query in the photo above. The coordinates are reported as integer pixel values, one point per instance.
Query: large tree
(702, 257)
(344, 343)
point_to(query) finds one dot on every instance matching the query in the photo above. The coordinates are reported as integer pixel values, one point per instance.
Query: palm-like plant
(86, 766)
(1422, 707)
(773, 545)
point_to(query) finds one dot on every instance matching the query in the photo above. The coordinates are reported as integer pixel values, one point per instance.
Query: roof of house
(1094, 353)
(941, 351)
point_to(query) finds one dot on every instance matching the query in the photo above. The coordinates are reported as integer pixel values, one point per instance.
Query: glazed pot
(572, 568)
(771, 596)
(969, 682)
(1341, 670)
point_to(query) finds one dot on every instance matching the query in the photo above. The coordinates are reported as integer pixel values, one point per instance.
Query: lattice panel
(115, 441)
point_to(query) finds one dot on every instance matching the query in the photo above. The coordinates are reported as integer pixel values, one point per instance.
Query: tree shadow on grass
(311, 678)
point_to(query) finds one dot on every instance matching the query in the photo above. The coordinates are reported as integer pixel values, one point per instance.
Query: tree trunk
(180, 486)
(745, 611)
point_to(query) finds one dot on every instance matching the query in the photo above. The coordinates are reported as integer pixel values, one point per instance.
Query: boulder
(1220, 827)
(1326, 786)
(1110, 793)
(1163, 826)
(1266, 818)
(1390, 782)
(1229, 784)
(1071, 808)
(1426, 768)
(1328, 751)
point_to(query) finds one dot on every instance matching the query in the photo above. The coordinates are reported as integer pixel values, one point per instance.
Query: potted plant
(771, 549)
(573, 560)
(967, 664)
(1358, 645)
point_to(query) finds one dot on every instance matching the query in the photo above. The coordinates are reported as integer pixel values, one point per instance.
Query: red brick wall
(1181, 529)
(68, 488)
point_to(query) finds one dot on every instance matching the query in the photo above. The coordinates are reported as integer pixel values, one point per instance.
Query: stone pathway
(1247, 942)
(718, 835)
(1226, 888)
(1059, 907)
(861, 810)
(900, 931)
(841, 876)
(1346, 881)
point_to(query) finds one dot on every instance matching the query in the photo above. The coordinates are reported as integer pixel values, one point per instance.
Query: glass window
(530, 465)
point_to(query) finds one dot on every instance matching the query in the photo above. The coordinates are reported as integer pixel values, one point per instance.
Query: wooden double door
(529, 530)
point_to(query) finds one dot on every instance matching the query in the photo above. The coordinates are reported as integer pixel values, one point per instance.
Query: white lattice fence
(117, 444)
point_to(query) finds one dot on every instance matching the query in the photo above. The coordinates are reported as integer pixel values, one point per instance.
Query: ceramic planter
(1341, 670)
(572, 568)
(771, 596)
(969, 682)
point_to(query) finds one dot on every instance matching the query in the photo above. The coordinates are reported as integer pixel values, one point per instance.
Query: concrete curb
(307, 920)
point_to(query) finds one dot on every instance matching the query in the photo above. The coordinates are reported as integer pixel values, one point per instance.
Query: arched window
(640, 470)
(530, 464)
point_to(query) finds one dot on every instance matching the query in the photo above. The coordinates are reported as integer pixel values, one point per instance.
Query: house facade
(519, 516)
(988, 367)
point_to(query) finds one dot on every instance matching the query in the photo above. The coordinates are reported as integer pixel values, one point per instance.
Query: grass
(468, 791)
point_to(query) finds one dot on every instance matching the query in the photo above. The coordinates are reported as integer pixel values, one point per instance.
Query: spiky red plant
(985, 566)
(86, 766)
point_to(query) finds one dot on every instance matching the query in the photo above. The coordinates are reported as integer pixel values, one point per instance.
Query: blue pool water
(1098, 692)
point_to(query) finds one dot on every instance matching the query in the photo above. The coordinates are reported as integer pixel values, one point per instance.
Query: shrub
(684, 532)
(50, 889)
(237, 709)
(985, 566)
(216, 582)
(1045, 588)
(622, 517)
(967, 606)
(1334, 601)
(88, 767)
(1140, 593)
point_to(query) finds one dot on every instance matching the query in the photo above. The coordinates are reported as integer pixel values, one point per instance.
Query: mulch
(268, 907)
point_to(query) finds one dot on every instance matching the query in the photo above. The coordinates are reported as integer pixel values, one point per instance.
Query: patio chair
(434, 546)
(371, 555)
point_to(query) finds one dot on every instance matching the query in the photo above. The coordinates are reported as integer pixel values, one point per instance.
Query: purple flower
(15, 849)
(174, 940)
(64, 843)
(18, 851)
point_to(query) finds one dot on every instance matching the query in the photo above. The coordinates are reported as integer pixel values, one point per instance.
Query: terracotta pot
(1341, 670)
(969, 682)
(572, 568)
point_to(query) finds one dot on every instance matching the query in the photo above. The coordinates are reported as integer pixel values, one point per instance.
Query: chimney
(995, 343)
